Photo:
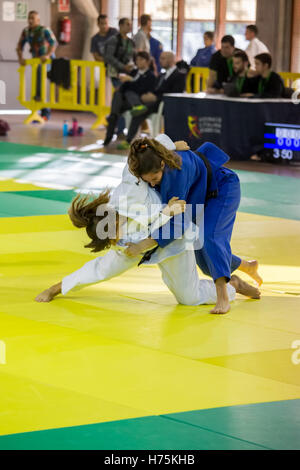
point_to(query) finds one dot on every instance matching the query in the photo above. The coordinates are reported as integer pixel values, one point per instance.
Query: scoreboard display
(283, 140)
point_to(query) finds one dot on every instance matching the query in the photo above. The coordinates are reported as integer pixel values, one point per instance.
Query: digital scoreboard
(283, 140)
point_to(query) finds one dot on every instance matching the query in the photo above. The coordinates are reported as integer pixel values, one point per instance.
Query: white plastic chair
(154, 120)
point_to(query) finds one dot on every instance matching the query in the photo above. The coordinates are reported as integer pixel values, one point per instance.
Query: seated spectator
(104, 33)
(255, 46)
(171, 81)
(268, 83)
(127, 97)
(203, 56)
(119, 52)
(240, 84)
(221, 66)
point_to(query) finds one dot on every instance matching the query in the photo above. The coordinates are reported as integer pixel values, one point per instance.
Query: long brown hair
(83, 213)
(145, 156)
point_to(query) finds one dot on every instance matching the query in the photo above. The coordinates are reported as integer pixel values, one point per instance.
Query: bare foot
(222, 306)
(251, 268)
(244, 288)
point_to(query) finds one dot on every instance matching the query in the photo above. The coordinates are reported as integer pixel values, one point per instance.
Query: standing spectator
(42, 44)
(203, 56)
(171, 81)
(255, 46)
(221, 65)
(104, 33)
(269, 83)
(119, 52)
(156, 49)
(141, 39)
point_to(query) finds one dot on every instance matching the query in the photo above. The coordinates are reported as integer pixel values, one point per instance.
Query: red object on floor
(4, 127)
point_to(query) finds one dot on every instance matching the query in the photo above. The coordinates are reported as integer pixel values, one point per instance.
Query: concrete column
(295, 55)
(113, 8)
(274, 22)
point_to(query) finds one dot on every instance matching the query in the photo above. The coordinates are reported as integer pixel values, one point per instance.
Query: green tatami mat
(273, 425)
(16, 205)
(154, 432)
(264, 194)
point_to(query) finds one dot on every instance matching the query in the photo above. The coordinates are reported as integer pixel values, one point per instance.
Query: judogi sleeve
(177, 183)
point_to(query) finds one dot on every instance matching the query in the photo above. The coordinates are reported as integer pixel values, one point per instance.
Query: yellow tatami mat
(124, 348)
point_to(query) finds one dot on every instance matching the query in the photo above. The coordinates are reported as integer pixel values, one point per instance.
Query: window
(163, 29)
(129, 9)
(240, 13)
(199, 17)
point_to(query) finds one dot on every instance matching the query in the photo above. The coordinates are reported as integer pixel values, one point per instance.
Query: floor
(50, 135)
(120, 365)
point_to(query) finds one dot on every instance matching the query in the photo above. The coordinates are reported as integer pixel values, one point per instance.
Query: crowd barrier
(197, 79)
(87, 90)
(290, 79)
(84, 93)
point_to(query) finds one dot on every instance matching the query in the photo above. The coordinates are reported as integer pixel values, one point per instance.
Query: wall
(274, 21)
(9, 36)
(75, 48)
(295, 56)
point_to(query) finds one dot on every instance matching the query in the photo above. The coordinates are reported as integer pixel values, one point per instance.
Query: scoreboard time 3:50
(284, 139)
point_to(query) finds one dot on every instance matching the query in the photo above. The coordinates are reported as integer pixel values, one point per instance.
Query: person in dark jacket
(269, 83)
(171, 81)
(118, 52)
(127, 97)
(221, 66)
(240, 84)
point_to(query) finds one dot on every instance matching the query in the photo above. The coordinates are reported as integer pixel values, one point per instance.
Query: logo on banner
(204, 125)
(193, 124)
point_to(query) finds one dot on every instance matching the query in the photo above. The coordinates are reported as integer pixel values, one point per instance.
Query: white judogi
(176, 261)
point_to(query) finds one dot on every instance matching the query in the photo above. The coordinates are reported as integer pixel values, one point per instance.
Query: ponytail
(145, 156)
(83, 213)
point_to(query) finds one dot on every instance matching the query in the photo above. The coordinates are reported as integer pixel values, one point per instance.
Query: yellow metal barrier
(200, 76)
(290, 78)
(56, 97)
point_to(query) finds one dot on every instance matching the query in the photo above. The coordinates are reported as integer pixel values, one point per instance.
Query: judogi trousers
(215, 259)
(179, 273)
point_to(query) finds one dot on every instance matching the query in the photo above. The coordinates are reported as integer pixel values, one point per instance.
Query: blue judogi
(190, 184)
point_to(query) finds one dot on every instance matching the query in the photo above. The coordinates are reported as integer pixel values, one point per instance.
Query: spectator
(240, 84)
(156, 49)
(203, 56)
(255, 46)
(171, 81)
(141, 39)
(42, 44)
(104, 33)
(141, 81)
(269, 83)
(119, 52)
(221, 66)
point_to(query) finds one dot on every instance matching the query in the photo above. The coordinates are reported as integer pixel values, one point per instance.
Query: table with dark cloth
(236, 125)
